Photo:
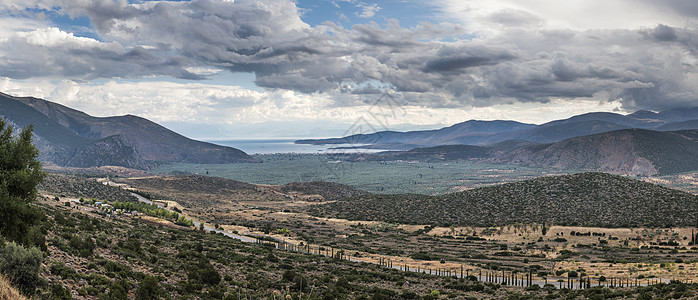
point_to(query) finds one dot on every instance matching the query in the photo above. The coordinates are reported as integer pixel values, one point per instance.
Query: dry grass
(7, 291)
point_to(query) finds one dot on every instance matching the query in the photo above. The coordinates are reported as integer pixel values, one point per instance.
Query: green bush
(148, 288)
(22, 266)
(203, 272)
(60, 292)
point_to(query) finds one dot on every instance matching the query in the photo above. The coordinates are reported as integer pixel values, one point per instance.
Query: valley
(348, 150)
(391, 177)
(609, 214)
(605, 256)
(608, 252)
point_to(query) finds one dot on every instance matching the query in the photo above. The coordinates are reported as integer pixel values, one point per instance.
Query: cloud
(367, 10)
(219, 111)
(663, 33)
(499, 52)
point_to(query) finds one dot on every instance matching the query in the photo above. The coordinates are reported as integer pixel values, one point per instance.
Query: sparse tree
(544, 230)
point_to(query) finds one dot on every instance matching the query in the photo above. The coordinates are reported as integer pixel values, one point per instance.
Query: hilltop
(585, 199)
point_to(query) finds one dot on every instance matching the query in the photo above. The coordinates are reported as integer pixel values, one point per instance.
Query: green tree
(20, 173)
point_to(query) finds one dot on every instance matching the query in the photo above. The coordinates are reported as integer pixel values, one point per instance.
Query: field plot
(396, 177)
(377, 177)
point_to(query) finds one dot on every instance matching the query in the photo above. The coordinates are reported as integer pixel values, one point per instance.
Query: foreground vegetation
(122, 257)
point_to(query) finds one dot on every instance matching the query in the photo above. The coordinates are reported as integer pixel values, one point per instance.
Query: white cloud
(54, 37)
(367, 10)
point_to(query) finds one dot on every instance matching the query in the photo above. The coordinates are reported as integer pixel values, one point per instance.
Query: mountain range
(475, 132)
(71, 138)
(642, 143)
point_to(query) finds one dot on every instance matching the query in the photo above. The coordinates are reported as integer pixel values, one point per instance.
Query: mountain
(549, 133)
(470, 132)
(685, 125)
(490, 132)
(62, 146)
(69, 137)
(629, 151)
(585, 199)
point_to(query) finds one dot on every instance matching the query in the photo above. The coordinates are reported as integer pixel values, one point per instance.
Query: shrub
(148, 288)
(60, 292)
(22, 266)
(203, 272)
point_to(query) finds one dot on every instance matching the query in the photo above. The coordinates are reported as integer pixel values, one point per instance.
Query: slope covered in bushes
(587, 199)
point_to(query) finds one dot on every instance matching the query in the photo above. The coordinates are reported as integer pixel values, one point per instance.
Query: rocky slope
(68, 137)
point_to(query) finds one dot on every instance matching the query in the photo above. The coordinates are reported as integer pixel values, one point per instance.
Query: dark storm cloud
(663, 33)
(458, 62)
(432, 65)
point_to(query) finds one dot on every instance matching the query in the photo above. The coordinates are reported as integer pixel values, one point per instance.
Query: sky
(223, 69)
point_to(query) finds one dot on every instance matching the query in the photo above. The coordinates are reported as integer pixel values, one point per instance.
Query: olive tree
(20, 173)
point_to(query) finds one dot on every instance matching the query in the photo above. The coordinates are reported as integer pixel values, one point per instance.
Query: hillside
(76, 187)
(555, 132)
(60, 145)
(70, 138)
(585, 199)
(152, 141)
(631, 151)
(685, 125)
(94, 256)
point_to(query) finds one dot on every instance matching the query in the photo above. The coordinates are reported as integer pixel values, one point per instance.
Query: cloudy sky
(217, 69)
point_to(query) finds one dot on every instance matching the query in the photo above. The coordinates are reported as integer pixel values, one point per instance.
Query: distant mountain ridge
(642, 143)
(68, 137)
(460, 133)
(481, 133)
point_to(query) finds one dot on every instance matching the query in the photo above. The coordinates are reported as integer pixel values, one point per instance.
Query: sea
(274, 146)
